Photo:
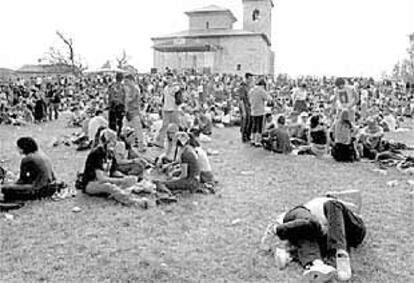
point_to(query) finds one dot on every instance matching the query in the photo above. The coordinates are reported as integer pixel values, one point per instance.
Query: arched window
(207, 25)
(256, 15)
(238, 67)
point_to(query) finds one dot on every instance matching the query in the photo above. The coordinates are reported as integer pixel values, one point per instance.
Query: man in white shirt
(345, 98)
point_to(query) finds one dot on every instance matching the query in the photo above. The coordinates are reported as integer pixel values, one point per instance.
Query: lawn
(203, 238)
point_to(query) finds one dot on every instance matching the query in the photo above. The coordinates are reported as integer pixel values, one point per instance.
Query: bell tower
(257, 16)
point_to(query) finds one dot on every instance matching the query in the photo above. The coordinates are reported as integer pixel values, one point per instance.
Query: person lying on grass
(325, 227)
(36, 172)
(96, 180)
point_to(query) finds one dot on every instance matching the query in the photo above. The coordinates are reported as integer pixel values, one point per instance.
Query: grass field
(198, 239)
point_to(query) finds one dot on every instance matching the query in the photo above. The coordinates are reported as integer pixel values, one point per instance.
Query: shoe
(6, 206)
(343, 265)
(319, 272)
(166, 200)
(282, 258)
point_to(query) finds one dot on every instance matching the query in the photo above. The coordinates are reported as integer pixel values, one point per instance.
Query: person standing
(133, 113)
(171, 101)
(257, 98)
(55, 103)
(244, 104)
(299, 97)
(116, 101)
(345, 99)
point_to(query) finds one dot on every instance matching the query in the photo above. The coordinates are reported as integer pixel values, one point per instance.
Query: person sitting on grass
(169, 156)
(325, 227)
(189, 170)
(279, 140)
(96, 180)
(202, 123)
(371, 138)
(206, 173)
(318, 138)
(36, 173)
(127, 161)
(344, 148)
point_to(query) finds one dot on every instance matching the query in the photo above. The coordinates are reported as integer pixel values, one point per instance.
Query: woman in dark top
(36, 171)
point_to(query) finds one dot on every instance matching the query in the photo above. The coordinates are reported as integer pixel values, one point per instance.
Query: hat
(172, 128)
(372, 127)
(108, 135)
(183, 137)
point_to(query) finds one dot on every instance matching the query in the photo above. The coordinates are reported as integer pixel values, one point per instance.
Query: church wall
(251, 53)
(222, 21)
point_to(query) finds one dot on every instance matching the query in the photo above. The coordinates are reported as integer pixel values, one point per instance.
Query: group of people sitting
(319, 132)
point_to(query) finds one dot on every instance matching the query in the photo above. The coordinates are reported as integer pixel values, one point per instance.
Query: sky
(316, 37)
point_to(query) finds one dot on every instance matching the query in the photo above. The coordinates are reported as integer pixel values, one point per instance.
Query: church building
(212, 45)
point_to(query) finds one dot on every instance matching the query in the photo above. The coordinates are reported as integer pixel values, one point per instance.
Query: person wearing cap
(170, 111)
(244, 105)
(188, 179)
(257, 98)
(370, 138)
(116, 101)
(96, 180)
(133, 108)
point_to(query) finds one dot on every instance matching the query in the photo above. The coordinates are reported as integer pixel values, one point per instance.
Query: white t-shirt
(94, 125)
(203, 161)
(364, 96)
(299, 94)
(391, 122)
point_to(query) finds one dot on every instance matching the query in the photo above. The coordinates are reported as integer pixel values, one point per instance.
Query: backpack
(79, 183)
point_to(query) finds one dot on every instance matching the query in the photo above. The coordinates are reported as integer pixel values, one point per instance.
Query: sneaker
(343, 265)
(282, 258)
(319, 272)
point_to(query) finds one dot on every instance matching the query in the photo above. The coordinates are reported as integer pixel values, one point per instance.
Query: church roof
(212, 33)
(210, 8)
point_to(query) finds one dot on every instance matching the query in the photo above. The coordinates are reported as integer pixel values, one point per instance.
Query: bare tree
(66, 55)
(123, 60)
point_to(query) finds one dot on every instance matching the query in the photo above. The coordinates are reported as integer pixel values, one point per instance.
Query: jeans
(108, 189)
(300, 227)
(136, 124)
(187, 184)
(115, 116)
(53, 108)
(245, 127)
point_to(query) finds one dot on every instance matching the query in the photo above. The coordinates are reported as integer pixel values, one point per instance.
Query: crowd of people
(125, 116)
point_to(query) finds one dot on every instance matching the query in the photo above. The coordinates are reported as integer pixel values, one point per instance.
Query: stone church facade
(211, 45)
